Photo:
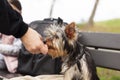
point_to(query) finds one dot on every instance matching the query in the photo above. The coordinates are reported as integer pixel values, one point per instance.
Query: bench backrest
(104, 47)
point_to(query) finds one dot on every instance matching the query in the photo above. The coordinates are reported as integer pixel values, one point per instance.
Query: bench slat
(107, 59)
(101, 40)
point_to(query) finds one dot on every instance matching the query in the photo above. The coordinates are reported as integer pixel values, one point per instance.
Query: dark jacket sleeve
(11, 22)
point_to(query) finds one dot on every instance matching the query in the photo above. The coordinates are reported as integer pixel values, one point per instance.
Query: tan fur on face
(55, 49)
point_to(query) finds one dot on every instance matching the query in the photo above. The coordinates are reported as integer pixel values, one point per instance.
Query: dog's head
(60, 38)
(58, 35)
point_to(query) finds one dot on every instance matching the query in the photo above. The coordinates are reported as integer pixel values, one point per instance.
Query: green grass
(108, 74)
(110, 23)
(103, 26)
(112, 26)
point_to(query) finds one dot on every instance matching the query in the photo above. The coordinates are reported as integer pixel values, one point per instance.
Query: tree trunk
(91, 19)
(51, 9)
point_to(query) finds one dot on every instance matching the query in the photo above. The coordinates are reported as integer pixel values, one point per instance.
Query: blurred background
(70, 10)
(89, 15)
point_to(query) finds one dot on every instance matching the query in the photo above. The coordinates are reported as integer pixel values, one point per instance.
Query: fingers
(40, 48)
(33, 42)
(44, 49)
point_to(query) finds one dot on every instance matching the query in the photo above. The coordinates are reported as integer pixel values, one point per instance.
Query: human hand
(33, 42)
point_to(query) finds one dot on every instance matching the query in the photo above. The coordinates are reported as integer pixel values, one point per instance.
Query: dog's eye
(56, 36)
(50, 38)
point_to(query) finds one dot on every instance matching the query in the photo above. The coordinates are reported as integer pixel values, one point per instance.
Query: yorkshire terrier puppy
(62, 41)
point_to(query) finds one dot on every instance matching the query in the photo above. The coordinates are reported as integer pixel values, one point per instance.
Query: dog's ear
(70, 30)
(59, 21)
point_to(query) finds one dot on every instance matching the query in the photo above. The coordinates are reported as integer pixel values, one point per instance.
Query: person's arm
(11, 23)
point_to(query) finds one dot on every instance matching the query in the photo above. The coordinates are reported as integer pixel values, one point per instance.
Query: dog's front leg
(72, 73)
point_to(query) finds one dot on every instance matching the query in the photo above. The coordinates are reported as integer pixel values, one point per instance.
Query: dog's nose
(44, 41)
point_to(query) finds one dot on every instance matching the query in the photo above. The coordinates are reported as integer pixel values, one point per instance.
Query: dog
(63, 40)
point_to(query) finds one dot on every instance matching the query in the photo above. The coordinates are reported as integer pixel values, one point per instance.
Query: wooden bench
(104, 47)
